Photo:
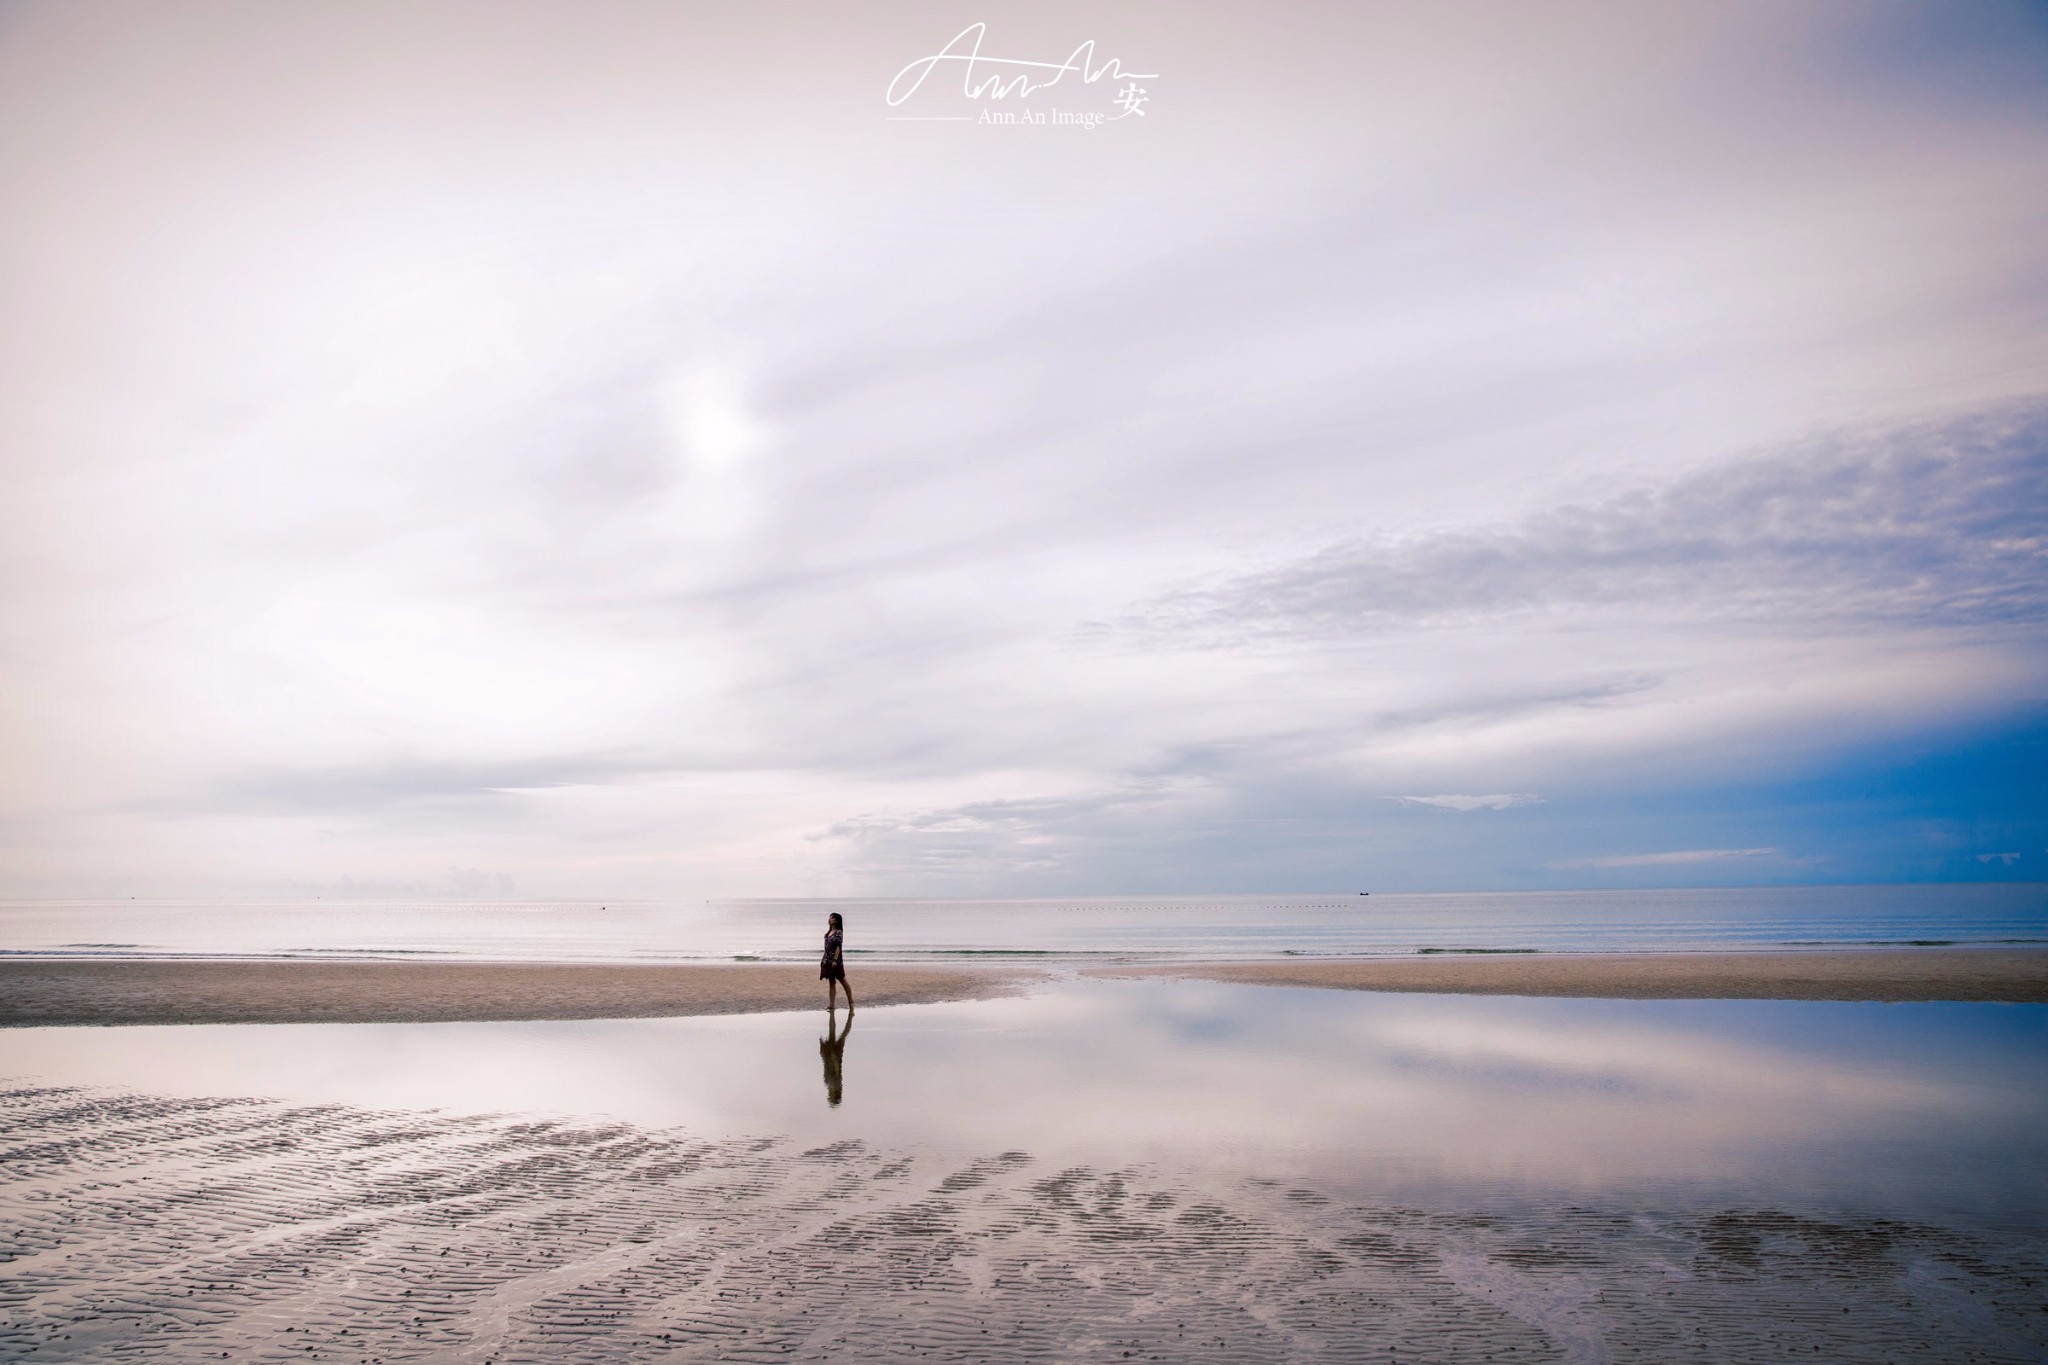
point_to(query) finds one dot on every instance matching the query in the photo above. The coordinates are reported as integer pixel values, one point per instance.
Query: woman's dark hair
(834, 920)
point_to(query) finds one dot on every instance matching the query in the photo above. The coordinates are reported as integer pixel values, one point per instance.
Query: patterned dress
(832, 968)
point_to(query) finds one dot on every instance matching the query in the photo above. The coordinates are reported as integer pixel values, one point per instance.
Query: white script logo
(984, 78)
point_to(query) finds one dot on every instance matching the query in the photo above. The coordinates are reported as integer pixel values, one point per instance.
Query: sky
(533, 450)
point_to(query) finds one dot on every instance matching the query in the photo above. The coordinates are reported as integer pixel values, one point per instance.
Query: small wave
(371, 952)
(1479, 951)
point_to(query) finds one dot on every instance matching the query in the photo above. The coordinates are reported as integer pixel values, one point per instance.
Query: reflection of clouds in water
(1662, 1063)
(1570, 1092)
(1577, 1094)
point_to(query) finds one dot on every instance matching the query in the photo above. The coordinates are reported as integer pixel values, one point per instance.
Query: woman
(832, 970)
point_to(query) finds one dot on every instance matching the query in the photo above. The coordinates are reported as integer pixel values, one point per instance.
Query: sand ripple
(145, 1228)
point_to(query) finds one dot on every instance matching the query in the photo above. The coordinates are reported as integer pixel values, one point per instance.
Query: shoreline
(72, 992)
(1981, 975)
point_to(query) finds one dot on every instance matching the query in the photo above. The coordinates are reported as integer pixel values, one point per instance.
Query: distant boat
(1365, 893)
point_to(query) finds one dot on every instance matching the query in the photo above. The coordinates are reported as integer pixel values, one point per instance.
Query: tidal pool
(1928, 1108)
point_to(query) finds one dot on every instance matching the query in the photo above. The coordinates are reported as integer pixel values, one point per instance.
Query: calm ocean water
(1152, 928)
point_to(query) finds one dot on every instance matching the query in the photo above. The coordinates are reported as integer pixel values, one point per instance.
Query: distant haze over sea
(1161, 927)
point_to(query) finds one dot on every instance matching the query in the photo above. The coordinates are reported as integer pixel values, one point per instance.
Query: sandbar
(47, 992)
(2015, 975)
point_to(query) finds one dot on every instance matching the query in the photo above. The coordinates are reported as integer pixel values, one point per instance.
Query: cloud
(1678, 858)
(627, 511)
(376, 786)
(1000, 839)
(1931, 525)
(1497, 801)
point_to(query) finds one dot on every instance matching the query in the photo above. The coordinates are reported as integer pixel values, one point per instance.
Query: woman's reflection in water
(831, 1049)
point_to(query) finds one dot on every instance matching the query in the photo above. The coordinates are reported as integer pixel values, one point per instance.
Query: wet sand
(36, 993)
(149, 1228)
(1891, 974)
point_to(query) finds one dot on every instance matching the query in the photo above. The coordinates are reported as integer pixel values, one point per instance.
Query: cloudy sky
(612, 450)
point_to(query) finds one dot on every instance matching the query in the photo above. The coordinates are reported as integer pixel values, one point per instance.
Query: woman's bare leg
(849, 997)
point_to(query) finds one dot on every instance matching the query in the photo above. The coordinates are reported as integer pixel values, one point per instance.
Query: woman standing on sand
(832, 970)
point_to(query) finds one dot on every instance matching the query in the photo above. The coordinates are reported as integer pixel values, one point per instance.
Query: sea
(1054, 930)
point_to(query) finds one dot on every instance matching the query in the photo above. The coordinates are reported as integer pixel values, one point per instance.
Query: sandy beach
(58, 992)
(51, 992)
(1983, 974)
